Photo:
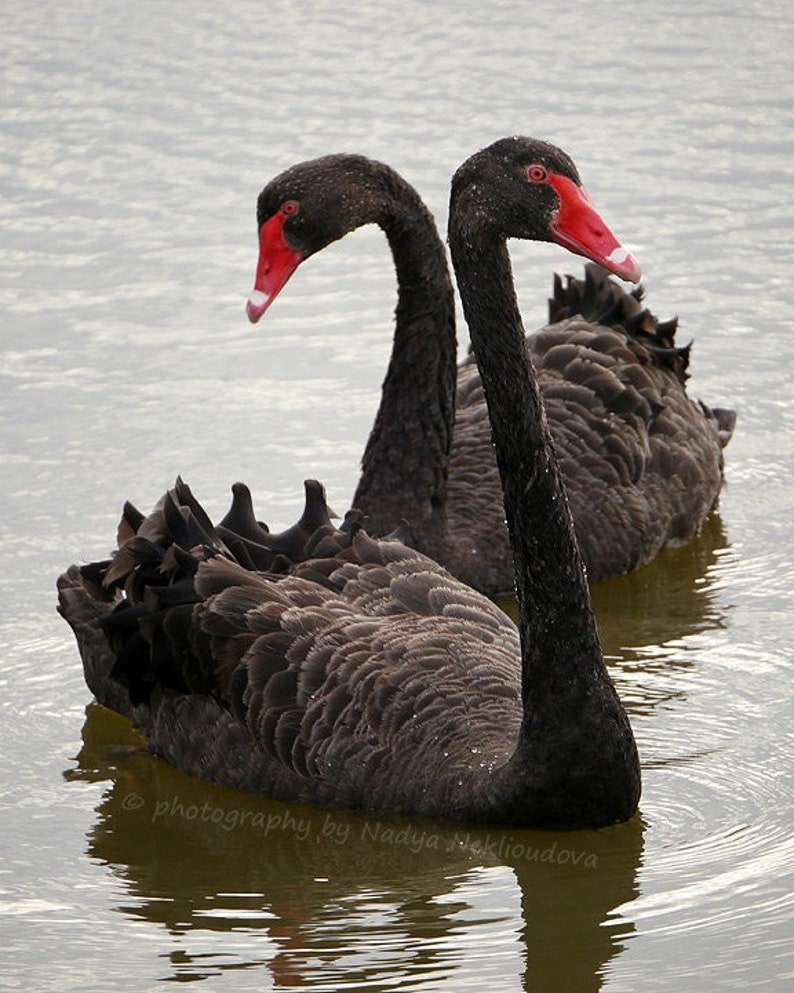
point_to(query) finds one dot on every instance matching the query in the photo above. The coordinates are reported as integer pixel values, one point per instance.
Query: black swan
(641, 461)
(366, 675)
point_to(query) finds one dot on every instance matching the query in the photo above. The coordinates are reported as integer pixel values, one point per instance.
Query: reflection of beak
(579, 227)
(277, 262)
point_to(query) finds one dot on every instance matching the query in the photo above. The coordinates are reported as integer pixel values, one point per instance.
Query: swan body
(641, 460)
(375, 629)
(336, 668)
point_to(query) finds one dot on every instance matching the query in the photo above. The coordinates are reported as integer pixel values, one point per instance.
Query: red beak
(579, 228)
(277, 262)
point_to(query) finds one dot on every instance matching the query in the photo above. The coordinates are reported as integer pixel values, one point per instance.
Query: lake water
(135, 142)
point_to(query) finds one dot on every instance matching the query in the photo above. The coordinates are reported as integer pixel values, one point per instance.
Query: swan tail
(600, 300)
(133, 614)
(84, 604)
(725, 420)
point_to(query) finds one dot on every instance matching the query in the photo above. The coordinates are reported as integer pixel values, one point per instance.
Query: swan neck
(404, 467)
(556, 621)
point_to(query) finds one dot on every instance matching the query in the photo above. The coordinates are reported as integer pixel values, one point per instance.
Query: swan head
(306, 208)
(525, 188)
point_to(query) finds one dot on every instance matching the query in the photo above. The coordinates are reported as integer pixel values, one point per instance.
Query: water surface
(135, 143)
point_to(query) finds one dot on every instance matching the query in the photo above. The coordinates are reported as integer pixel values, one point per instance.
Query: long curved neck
(559, 639)
(404, 466)
(575, 761)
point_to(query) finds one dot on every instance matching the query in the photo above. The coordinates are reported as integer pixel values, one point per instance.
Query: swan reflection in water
(312, 895)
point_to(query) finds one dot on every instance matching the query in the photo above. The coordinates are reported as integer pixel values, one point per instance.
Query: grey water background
(135, 141)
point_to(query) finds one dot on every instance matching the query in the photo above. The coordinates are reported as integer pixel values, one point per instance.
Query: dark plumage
(364, 674)
(642, 462)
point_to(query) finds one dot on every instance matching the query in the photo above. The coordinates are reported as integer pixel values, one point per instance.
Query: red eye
(537, 173)
(289, 207)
